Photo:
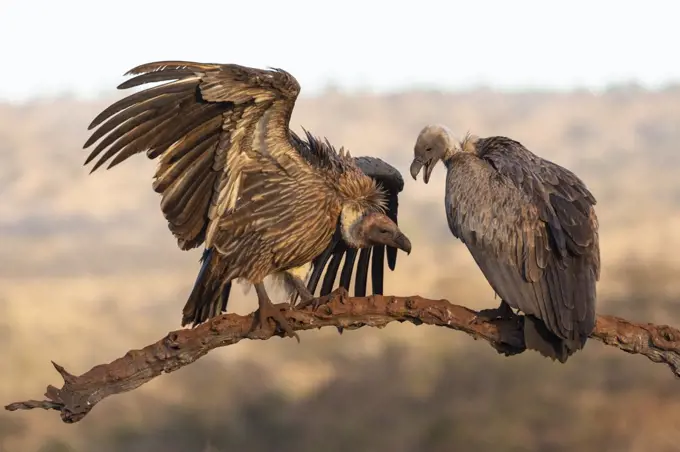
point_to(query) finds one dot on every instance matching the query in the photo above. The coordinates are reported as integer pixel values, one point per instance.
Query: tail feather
(537, 337)
(209, 297)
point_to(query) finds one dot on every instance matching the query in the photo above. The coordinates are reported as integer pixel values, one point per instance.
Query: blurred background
(89, 270)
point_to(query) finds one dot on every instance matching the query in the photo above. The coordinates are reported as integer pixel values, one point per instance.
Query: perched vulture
(233, 177)
(530, 225)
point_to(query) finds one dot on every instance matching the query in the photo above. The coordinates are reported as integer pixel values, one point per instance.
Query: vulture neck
(350, 218)
(468, 146)
(448, 156)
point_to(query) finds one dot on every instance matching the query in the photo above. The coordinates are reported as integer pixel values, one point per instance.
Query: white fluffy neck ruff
(451, 144)
(350, 219)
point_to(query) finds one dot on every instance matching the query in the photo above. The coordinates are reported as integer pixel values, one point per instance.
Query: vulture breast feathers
(234, 177)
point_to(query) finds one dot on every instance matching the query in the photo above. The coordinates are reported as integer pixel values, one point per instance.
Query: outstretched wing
(204, 123)
(531, 227)
(392, 182)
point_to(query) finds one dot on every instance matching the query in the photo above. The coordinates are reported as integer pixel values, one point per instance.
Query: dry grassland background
(89, 270)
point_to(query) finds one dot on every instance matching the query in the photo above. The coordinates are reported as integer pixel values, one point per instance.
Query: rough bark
(79, 394)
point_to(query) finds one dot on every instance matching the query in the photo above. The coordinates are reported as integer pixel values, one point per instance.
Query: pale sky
(84, 47)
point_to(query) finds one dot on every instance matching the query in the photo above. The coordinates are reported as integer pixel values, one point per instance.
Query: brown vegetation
(88, 269)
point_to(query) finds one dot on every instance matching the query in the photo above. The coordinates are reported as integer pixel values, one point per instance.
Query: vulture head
(434, 143)
(362, 228)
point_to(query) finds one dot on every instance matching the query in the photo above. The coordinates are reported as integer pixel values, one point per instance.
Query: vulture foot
(315, 302)
(269, 310)
(320, 301)
(502, 312)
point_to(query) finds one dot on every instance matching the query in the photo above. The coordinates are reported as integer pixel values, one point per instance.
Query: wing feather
(202, 124)
(146, 100)
(320, 264)
(377, 270)
(348, 267)
(361, 277)
(392, 213)
(331, 273)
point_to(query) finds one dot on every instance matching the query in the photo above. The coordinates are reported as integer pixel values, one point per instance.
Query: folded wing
(532, 229)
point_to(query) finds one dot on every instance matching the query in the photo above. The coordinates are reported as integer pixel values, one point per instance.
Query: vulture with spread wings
(233, 177)
(530, 226)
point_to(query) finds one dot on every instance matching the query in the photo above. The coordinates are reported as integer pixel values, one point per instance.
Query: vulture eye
(384, 231)
(428, 150)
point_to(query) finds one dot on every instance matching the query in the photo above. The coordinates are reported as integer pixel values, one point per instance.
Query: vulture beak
(403, 243)
(416, 167)
(389, 235)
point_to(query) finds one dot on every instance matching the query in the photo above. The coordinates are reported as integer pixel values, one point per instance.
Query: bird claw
(480, 318)
(340, 292)
(275, 312)
(314, 302)
(503, 312)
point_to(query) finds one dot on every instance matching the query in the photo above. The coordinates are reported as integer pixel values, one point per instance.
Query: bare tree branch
(79, 394)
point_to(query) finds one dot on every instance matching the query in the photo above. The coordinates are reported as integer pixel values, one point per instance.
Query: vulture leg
(502, 312)
(299, 286)
(268, 310)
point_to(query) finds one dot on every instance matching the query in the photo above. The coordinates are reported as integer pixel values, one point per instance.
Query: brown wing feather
(199, 123)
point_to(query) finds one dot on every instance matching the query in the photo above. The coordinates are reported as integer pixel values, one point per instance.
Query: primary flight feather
(233, 177)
